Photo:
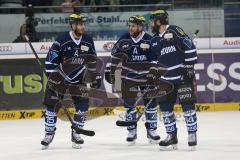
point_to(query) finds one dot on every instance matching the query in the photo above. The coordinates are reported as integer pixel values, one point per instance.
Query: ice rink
(218, 139)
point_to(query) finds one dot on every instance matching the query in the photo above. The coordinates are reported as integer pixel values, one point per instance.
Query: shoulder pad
(125, 36)
(147, 36)
(179, 31)
(62, 38)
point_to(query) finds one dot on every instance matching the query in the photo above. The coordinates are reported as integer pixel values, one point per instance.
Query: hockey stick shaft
(43, 69)
(35, 54)
(129, 123)
(78, 130)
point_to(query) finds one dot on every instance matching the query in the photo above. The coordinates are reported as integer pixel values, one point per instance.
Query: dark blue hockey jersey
(173, 49)
(66, 47)
(137, 49)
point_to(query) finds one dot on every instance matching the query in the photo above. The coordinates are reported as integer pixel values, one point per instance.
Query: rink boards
(22, 84)
(112, 111)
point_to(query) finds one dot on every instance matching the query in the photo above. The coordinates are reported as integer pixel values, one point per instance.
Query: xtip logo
(24, 115)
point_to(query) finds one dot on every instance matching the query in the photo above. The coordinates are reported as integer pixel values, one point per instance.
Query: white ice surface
(218, 139)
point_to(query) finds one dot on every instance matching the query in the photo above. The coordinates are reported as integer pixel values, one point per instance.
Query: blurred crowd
(75, 2)
(76, 5)
(86, 6)
(92, 5)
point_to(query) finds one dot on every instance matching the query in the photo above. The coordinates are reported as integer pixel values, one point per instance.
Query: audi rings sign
(7, 48)
(11, 48)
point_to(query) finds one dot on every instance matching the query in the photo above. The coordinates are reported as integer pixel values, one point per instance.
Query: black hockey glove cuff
(188, 73)
(109, 77)
(97, 83)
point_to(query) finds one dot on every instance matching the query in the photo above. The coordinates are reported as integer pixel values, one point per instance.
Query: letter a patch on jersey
(76, 53)
(135, 51)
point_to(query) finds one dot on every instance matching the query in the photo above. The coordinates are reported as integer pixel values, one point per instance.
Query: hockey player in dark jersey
(136, 45)
(68, 45)
(175, 49)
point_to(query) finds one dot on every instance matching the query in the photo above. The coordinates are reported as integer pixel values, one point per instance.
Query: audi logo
(5, 48)
(108, 46)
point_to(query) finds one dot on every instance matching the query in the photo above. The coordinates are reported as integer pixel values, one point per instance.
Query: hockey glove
(109, 77)
(97, 83)
(187, 92)
(188, 73)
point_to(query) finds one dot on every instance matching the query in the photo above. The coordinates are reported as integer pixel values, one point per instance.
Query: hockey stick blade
(83, 131)
(125, 123)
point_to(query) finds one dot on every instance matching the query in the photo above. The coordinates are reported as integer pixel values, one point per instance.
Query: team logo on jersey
(139, 57)
(168, 36)
(188, 42)
(84, 48)
(144, 46)
(167, 50)
(154, 44)
(52, 56)
(124, 44)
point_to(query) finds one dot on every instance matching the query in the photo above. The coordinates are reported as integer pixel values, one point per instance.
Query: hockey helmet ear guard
(161, 15)
(77, 18)
(139, 20)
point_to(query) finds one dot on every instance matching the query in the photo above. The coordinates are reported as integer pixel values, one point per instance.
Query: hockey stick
(121, 123)
(129, 123)
(77, 129)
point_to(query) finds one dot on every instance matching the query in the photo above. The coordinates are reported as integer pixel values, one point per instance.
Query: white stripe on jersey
(190, 51)
(154, 62)
(171, 78)
(190, 59)
(134, 71)
(67, 78)
(52, 70)
(174, 67)
(134, 80)
(47, 62)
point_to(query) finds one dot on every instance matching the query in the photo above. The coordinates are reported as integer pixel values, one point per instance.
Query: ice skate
(169, 143)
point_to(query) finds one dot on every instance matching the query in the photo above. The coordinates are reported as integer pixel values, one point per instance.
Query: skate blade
(151, 141)
(45, 147)
(169, 148)
(132, 143)
(192, 148)
(76, 146)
